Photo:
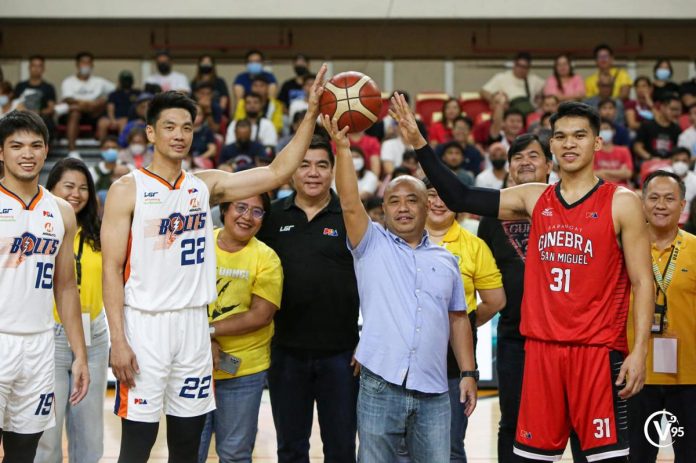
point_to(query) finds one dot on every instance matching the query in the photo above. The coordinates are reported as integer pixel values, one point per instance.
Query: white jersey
(30, 237)
(171, 253)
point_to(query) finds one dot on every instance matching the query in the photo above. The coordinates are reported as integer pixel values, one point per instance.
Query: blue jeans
(235, 420)
(297, 378)
(85, 421)
(388, 413)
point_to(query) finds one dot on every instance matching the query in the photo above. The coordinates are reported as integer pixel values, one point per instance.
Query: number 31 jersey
(171, 253)
(576, 288)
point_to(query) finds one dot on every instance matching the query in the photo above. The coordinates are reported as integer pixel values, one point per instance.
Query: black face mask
(126, 83)
(164, 68)
(498, 163)
(301, 70)
(205, 68)
(252, 114)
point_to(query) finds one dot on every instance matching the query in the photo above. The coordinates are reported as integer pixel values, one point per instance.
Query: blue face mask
(646, 114)
(663, 74)
(110, 155)
(254, 68)
(4, 99)
(284, 193)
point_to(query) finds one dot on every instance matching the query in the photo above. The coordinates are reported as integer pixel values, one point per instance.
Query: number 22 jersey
(171, 254)
(576, 288)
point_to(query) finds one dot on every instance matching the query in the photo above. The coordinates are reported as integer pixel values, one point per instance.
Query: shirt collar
(453, 233)
(424, 242)
(333, 206)
(681, 238)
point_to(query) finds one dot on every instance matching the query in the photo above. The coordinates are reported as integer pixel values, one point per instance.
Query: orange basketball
(353, 98)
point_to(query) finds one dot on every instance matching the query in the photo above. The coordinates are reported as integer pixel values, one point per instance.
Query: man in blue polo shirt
(412, 301)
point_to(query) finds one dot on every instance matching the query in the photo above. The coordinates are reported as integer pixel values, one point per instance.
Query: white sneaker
(74, 154)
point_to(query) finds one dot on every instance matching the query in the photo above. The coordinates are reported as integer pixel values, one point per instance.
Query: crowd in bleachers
(648, 122)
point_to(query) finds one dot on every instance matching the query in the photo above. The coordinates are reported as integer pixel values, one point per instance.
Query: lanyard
(78, 260)
(664, 279)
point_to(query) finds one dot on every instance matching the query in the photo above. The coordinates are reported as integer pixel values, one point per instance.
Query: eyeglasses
(243, 208)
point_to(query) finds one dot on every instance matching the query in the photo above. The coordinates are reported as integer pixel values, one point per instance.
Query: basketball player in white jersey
(159, 276)
(36, 264)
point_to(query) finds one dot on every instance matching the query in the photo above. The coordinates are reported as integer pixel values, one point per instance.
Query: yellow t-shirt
(476, 262)
(255, 269)
(276, 118)
(681, 313)
(621, 78)
(91, 286)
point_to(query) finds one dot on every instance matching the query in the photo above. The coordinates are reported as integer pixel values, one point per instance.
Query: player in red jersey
(588, 246)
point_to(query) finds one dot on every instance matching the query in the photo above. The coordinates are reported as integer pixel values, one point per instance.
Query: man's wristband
(469, 374)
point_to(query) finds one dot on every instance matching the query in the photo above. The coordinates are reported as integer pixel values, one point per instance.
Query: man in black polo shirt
(316, 328)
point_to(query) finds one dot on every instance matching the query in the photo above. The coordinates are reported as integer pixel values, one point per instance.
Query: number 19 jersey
(171, 254)
(576, 288)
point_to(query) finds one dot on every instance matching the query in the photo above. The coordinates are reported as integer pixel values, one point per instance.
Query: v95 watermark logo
(667, 427)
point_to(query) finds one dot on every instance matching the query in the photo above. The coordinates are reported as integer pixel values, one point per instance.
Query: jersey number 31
(561, 280)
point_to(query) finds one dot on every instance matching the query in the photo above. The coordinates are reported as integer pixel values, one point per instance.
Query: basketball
(354, 99)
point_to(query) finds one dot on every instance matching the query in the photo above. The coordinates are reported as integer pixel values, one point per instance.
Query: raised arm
(508, 204)
(68, 304)
(226, 187)
(354, 213)
(115, 232)
(628, 213)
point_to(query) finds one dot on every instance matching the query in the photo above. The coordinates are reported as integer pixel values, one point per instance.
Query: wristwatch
(211, 329)
(469, 374)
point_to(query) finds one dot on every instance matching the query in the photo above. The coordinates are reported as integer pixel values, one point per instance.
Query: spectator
(521, 88)
(441, 131)
(243, 148)
(70, 180)
(136, 153)
(452, 155)
(300, 104)
(621, 81)
(370, 148)
(86, 96)
(549, 104)
(204, 93)
(207, 72)
(687, 139)
(262, 130)
(36, 94)
(605, 85)
(681, 166)
(505, 125)
(166, 77)
(658, 137)
(640, 109)
(254, 67)
(612, 163)
(102, 173)
(607, 110)
(671, 374)
(387, 128)
(137, 119)
(564, 83)
(249, 285)
(317, 326)
(410, 164)
(663, 73)
(374, 209)
(493, 176)
(461, 134)
(118, 106)
(690, 225)
(392, 153)
(292, 89)
(687, 91)
(403, 346)
(271, 108)
(203, 149)
(6, 98)
(480, 276)
(367, 180)
(296, 120)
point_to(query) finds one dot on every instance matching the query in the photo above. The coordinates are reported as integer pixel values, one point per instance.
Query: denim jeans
(236, 419)
(297, 378)
(85, 421)
(388, 413)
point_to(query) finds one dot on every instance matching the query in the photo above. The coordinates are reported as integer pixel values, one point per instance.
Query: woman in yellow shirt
(70, 179)
(249, 285)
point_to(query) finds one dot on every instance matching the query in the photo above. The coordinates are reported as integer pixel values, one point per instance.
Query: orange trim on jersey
(29, 207)
(123, 405)
(127, 266)
(177, 183)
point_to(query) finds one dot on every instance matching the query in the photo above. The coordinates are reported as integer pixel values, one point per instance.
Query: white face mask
(680, 168)
(137, 149)
(358, 163)
(607, 135)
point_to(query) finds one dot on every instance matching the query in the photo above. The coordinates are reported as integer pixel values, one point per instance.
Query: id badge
(87, 328)
(665, 355)
(229, 363)
(658, 323)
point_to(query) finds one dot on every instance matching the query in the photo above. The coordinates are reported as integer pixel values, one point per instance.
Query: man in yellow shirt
(271, 108)
(671, 364)
(604, 58)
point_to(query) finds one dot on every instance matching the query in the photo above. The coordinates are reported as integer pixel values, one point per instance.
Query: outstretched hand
(339, 137)
(403, 116)
(315, 93)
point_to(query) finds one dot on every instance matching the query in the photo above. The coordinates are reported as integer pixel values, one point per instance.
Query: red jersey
(576, 288)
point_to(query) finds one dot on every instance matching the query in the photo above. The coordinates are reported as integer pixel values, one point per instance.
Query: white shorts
(27, 367)
(173, 352)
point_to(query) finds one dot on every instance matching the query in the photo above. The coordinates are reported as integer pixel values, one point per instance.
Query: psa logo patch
(192, 191)
(47, 214)
(330, 232)
(525, 434)
(137, 401)
(591, 215)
